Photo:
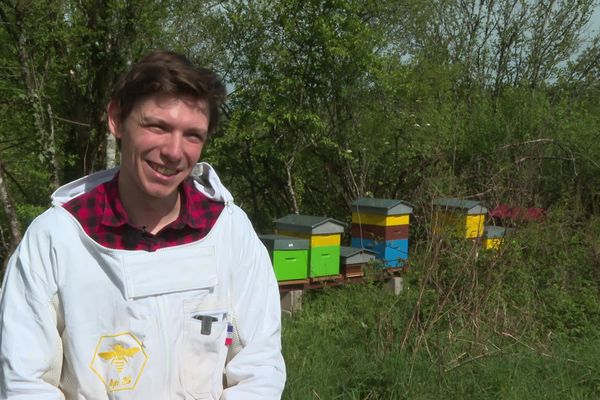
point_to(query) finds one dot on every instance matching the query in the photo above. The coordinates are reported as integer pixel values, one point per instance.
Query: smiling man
(161, 141)
(145, 281)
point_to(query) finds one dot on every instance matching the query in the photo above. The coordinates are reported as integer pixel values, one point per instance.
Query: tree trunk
(290, 185)
(111, 151)
(53, 151)
(11, 215)
(34, 92)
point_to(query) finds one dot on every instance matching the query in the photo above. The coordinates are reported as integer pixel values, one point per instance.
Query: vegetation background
(330, 100)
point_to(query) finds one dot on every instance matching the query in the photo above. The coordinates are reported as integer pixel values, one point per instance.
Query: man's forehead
(166, 101)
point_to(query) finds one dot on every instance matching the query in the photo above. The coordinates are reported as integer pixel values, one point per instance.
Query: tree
(303, 76)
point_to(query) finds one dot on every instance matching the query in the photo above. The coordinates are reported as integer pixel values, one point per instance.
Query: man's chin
(161, 192)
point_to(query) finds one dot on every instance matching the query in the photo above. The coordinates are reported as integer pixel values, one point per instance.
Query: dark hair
(167, 72)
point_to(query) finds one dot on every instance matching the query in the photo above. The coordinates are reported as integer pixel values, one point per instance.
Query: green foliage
(28, 213)
(331, 348)
(346, 344)
(302, 76)
(330, 100)
(520, 322)
(542, 283)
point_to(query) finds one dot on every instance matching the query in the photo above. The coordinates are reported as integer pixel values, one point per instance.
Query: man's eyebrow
(146, 120)
(149, 120)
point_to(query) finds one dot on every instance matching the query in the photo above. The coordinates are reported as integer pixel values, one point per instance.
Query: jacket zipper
(163, 327)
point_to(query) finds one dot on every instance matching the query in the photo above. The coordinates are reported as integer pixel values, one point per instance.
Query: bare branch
(71, 121)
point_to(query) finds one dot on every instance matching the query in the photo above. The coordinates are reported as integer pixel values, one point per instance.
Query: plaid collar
(191, 213)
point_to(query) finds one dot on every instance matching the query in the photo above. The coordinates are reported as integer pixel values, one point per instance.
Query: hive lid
(381, 206)
(309, 224)
(355, 255)
(492, 232)
(467, 206)
(282, 242)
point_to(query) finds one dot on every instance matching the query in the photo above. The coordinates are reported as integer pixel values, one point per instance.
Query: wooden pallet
(312, 283)
(354, 279)
(323, 281)
(393, 272)
(288, 286)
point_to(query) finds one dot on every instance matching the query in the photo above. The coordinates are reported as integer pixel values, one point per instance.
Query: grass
(519, 323)
(347, 344)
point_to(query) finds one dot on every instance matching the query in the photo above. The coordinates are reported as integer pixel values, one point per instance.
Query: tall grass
(517, 323)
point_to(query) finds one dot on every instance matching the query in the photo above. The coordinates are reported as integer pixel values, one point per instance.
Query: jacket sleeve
(29, 340)
(258, 370)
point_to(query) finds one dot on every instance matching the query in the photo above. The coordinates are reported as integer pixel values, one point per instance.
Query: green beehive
(324, 235)
(289, 256)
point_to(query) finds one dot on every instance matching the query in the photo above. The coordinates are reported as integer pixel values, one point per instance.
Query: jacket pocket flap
(169, 270)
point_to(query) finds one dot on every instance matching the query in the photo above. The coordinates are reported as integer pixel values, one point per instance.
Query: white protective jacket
(81, 321)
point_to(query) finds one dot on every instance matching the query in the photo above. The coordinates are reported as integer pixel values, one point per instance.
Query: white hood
(205, 178)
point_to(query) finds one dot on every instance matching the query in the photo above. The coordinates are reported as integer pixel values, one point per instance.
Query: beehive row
(307, 246)
(310, 247)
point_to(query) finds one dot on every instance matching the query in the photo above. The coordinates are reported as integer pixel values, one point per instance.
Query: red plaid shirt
(103, 217)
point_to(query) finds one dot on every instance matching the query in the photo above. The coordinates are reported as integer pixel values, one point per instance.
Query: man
(144, 282)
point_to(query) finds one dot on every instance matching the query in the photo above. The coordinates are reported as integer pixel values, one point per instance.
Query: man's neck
(151, 216)
(153, 220)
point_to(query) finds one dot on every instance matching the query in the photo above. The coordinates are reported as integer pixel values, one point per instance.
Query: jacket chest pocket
(204, 350)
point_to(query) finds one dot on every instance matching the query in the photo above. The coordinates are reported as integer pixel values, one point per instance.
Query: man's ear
(114, 120)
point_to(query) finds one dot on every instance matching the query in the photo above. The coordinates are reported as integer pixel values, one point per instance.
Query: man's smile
(161, 169)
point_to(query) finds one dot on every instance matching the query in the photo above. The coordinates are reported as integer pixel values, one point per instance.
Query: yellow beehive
(315, 240)
(456, 217)
(380, 220)
(494, 237)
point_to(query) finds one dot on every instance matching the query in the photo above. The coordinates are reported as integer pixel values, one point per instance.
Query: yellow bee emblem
(119, 356)
(119, 361)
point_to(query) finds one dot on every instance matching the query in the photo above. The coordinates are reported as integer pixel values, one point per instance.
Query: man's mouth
(162, 170)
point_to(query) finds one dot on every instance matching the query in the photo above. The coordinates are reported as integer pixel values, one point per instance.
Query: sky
(595, 20)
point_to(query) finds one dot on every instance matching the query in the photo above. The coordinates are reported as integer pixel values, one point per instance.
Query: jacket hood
(205, 178)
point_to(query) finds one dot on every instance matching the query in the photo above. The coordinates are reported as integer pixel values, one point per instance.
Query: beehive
(457, 217)
(353, 260)
(381, 225)
(289, 256)
(493, 236)
(324, 236)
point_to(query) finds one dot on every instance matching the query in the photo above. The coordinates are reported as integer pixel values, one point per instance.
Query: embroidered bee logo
(119, 361)
(119, 356)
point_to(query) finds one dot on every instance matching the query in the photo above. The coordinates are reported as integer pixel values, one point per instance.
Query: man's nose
(172, 149)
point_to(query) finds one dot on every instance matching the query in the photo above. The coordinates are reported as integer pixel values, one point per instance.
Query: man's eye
(156, 128)
(197, 137)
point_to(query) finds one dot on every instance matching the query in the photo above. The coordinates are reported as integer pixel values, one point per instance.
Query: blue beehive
(381, 225)
(394, 253)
